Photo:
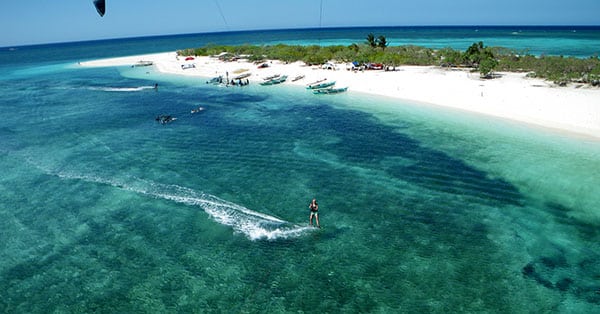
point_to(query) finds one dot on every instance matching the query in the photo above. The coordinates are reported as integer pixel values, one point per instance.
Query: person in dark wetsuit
(314, 211)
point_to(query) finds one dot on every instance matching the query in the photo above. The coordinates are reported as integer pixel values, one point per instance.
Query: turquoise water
(423, 209)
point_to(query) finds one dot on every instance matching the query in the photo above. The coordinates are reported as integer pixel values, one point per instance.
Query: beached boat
(276, 80)
(143, 64)
(330, 90)
(315, 82)
(274, 76)
(321, 85)
(242, 76)
(215, 80)
(297, 78)
(188, 66)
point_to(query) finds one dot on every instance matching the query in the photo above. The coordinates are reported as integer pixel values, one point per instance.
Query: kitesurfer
(314, 211)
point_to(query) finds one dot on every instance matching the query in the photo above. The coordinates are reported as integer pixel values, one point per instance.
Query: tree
(473, 53)
(481, 57)
(449, 57)
(371, 40)
(354, 47)
(381, 42)
(486, 67)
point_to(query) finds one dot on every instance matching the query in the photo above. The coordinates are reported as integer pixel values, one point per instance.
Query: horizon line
(304, 28)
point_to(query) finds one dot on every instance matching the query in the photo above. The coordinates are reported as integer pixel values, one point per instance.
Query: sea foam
(252, 224)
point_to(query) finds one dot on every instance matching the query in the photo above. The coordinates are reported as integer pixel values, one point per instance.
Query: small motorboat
(276, 80)
(323, 84)
(164, 119)
(330, 90)
(197, 110)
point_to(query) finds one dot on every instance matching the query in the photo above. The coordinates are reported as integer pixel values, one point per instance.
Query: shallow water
(423, 209)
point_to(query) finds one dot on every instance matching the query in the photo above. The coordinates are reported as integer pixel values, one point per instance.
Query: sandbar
(574, 109)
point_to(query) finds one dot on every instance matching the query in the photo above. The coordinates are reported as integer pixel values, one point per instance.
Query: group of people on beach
(239, 82)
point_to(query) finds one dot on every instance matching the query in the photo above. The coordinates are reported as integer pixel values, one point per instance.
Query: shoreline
(574, 109)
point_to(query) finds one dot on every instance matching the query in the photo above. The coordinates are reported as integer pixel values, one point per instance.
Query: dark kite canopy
(100, 6)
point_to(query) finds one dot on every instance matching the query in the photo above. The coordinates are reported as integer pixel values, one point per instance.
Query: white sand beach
(574, 109)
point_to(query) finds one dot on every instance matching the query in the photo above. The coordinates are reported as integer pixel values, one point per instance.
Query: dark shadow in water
(561, 215)
(553, 272)
(425, 167)
(556, 273)
(371, 144)
(239, 98)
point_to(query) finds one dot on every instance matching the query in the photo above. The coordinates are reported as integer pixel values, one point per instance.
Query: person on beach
(314, 211)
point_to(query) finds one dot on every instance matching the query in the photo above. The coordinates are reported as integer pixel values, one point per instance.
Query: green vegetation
(477, 57)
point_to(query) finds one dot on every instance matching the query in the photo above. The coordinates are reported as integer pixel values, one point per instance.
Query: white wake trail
(254, 225)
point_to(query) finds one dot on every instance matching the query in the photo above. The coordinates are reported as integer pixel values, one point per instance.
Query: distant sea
(423, 209)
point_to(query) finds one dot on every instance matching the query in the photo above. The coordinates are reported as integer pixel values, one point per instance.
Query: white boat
(330, 90)
(274, 76)
(143, 64)
(276, 80)
(242, 76)
(323, 84)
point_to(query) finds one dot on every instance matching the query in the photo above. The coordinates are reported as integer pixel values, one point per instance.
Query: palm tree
(381, 42)
(371, 40)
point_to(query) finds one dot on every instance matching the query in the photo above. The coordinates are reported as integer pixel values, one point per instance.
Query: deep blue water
(423, 209)
(579, 41)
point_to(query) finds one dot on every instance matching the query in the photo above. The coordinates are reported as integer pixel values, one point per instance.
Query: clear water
(423, 209)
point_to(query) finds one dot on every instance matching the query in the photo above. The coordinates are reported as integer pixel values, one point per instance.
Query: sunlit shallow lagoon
(423, 209)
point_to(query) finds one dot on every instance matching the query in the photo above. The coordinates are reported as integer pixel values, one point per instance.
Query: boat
(164, 119)
(330, 90)
(197, 110)
(316, 82)
(142, 64)
(215, 80)
(276, 80)
(297, 78)
(188, 66)
(242, 76)
(321, 85)
(274, 76)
